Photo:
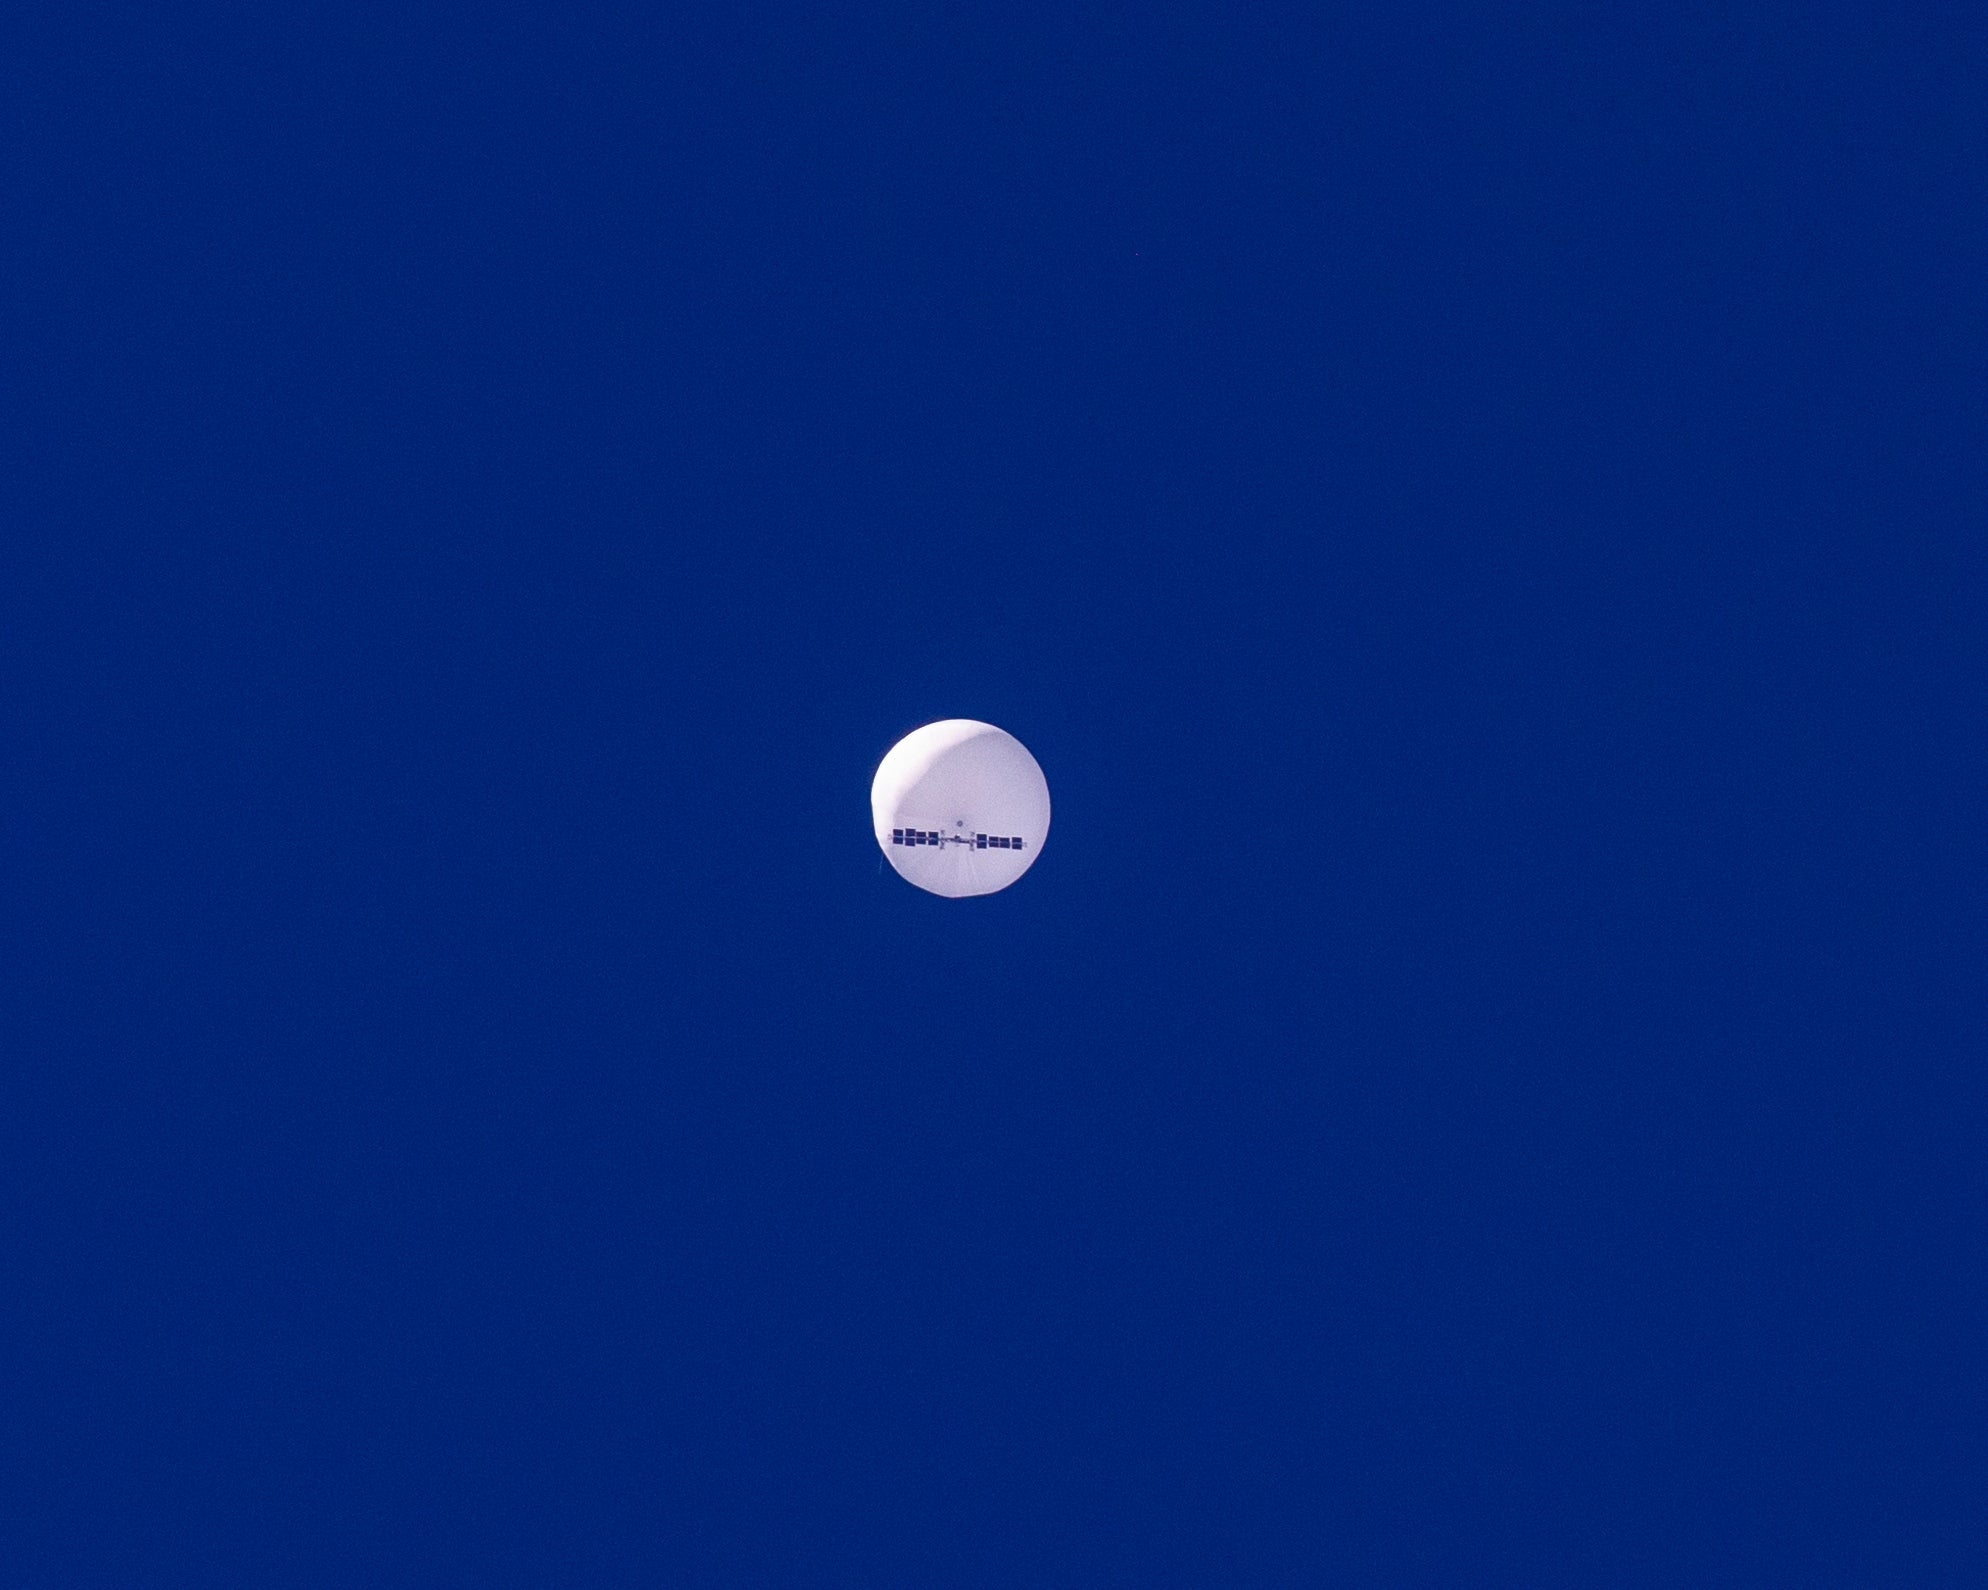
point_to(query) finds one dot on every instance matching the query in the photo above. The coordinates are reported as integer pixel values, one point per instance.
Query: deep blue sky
(1475, 514)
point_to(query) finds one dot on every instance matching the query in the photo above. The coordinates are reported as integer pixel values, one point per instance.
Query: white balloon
(960, 808)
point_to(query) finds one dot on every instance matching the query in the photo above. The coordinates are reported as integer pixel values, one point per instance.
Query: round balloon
(960, 808)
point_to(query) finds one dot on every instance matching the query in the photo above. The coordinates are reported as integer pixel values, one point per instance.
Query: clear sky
(1473, 510)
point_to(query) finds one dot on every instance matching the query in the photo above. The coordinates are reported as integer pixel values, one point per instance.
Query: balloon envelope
(960, 808)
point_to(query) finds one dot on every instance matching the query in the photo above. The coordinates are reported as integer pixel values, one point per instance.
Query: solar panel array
(921, 836)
